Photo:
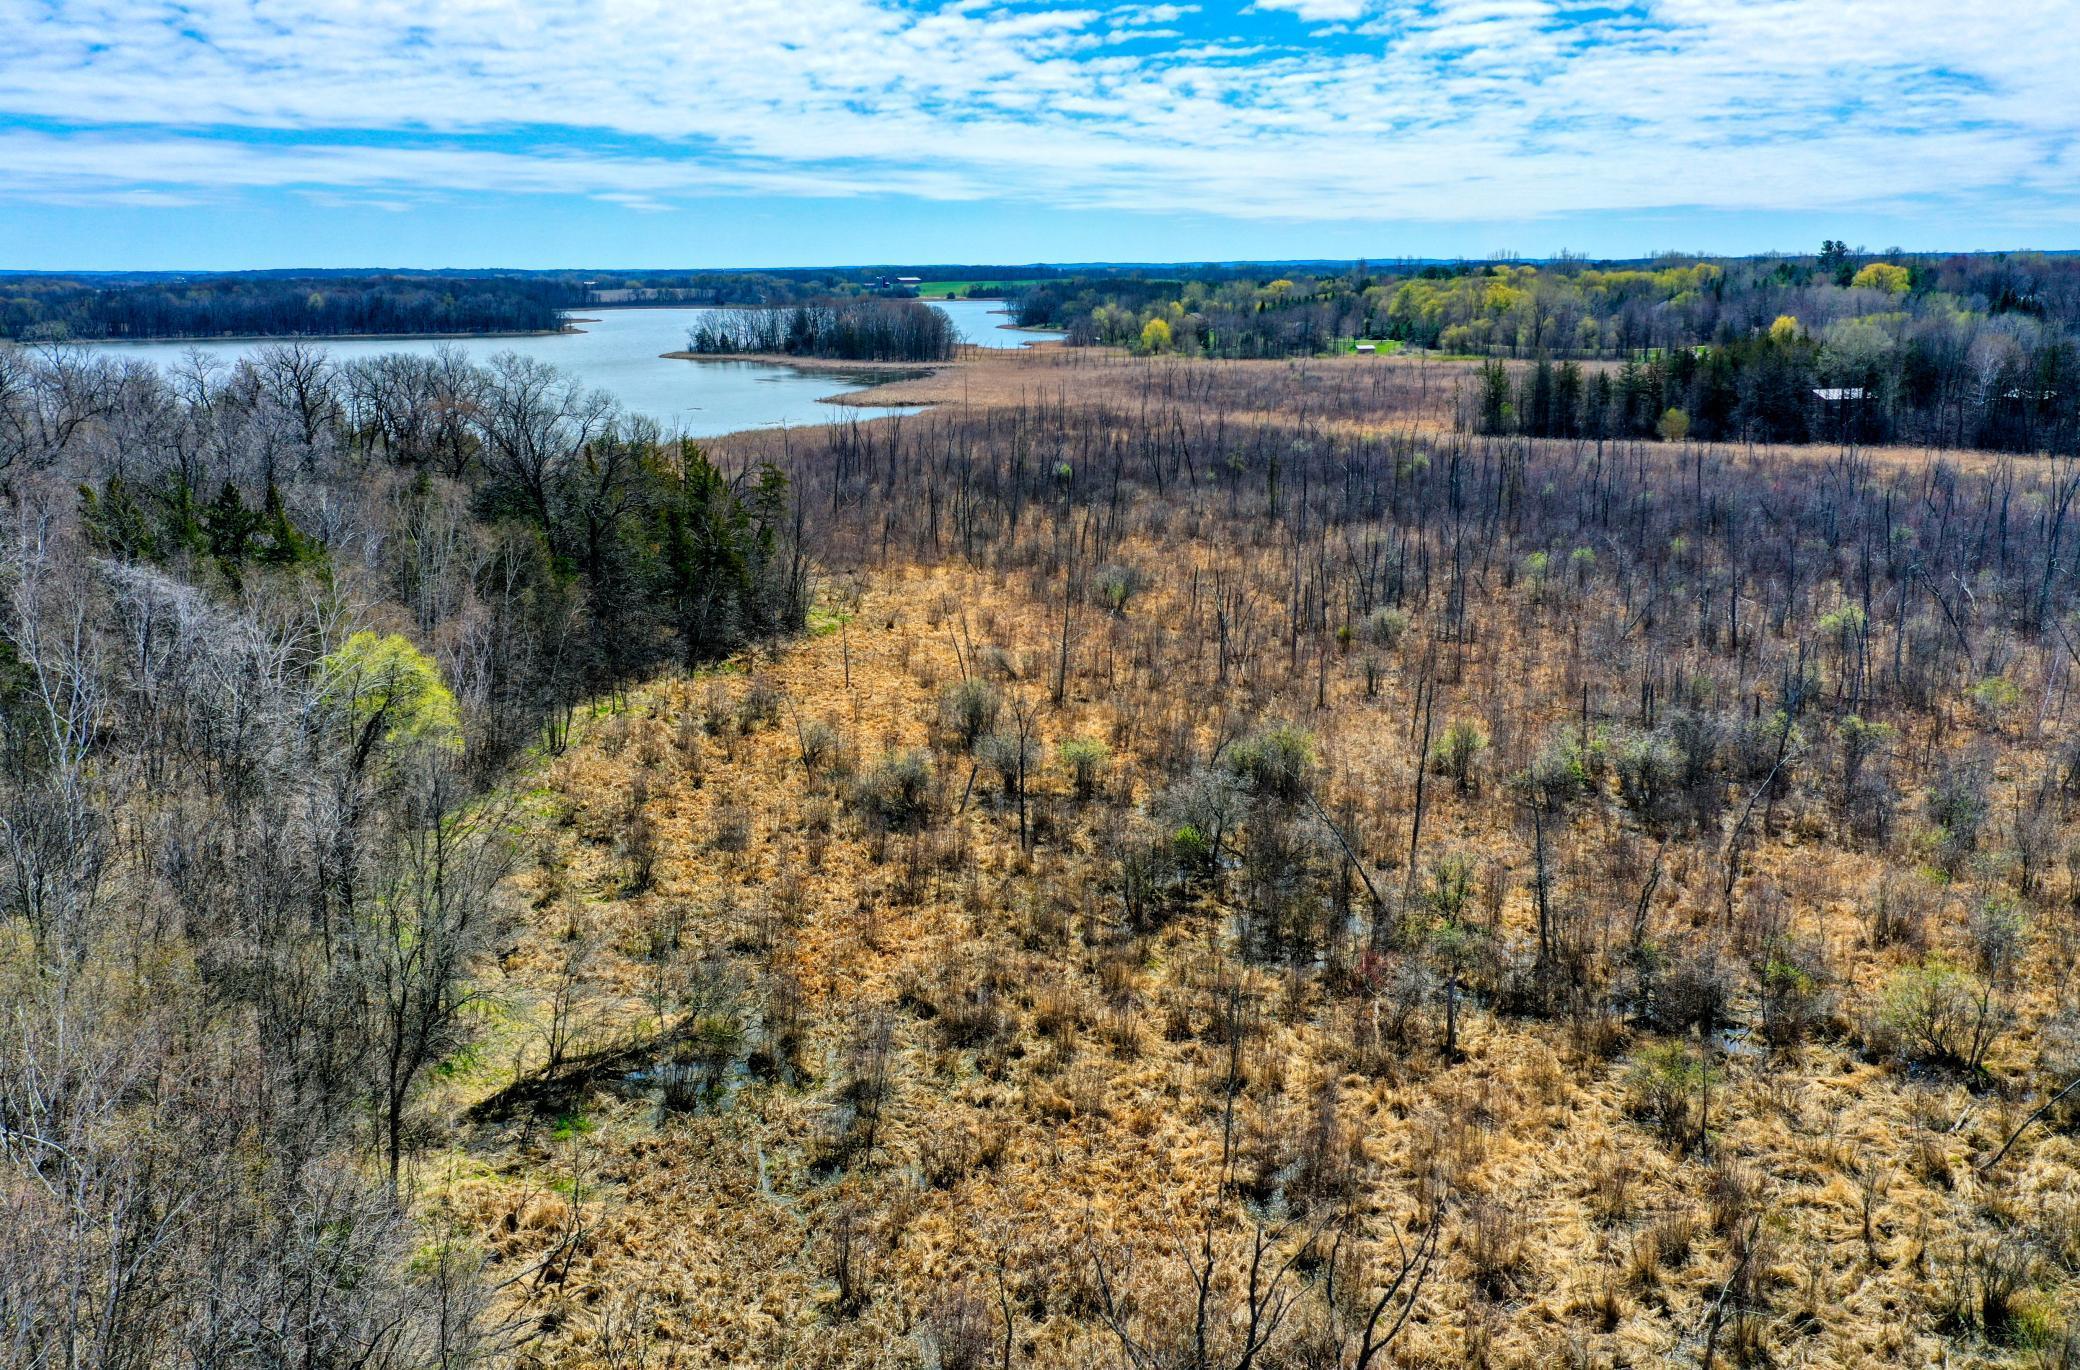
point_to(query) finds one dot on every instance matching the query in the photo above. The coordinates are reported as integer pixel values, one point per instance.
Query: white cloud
(1423, 109)
(1319, 11)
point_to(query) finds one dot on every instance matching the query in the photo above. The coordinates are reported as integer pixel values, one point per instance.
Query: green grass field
(942, 290)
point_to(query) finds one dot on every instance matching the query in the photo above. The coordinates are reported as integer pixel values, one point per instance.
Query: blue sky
(266, 133)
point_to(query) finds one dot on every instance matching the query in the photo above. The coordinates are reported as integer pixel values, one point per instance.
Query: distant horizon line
(1504, 257)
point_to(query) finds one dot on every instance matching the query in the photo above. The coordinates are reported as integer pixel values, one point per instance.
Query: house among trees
(1847, 414)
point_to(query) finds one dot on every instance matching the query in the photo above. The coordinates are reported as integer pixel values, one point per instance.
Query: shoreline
(871, 376)
(963, 353)
(822, 364)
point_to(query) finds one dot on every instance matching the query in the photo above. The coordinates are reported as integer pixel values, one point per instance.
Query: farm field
(936, 290)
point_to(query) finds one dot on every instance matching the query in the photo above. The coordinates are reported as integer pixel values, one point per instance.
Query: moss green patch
(824, 621)
(576, 1123)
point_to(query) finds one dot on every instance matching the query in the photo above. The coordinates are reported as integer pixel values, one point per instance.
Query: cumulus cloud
(1293, 109)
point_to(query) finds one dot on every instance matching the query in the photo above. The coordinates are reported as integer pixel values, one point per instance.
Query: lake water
(618, 352)
(983, 322)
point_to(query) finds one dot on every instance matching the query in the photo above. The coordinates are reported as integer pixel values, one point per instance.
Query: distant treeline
(41, 307)
(1970, 350)
(1565, 308)
(846, 330)
(325, 302)
(783, 287)
(764, 288)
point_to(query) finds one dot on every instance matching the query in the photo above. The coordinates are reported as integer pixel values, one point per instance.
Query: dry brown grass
(1359, 396)
(1049, 1088)
(1086, 1115)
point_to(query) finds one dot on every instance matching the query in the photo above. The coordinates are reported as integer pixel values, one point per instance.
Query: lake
(619, 352)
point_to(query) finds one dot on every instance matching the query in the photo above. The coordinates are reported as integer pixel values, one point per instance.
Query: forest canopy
(1955, 351)
(297, 617)
(51, 308)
